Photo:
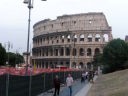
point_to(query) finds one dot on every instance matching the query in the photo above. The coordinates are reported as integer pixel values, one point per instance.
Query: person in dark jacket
(56, 85)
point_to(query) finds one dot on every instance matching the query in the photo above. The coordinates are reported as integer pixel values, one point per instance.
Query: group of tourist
(69, 81)
(87, 75)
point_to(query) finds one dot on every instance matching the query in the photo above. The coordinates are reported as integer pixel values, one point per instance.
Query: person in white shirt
(69, 81)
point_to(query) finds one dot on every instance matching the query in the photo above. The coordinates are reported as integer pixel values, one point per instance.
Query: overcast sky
(14, 17)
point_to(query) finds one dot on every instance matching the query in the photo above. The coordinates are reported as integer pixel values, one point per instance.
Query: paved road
(64, 91)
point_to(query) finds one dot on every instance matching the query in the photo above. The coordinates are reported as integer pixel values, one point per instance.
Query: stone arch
(75, 38)
(62, 38)
(56, 52)
(81, 65)
(89, 52)
(89, 65)
(97, 51)
(51, 52)
(67, 51)
(97, 38)
(74, 52)
(82, 37)
(47, 52)
(67, 63)
(81, 52)
(89, 37)
(68, 38)
(74, 64)
(61, 51)
(105, 37)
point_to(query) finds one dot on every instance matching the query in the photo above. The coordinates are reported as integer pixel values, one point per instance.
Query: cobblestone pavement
(64, 91)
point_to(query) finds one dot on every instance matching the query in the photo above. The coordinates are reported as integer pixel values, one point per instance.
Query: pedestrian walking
(56, 85)
(90, 76)
(82, 78)
(69, 82)
(86, 75)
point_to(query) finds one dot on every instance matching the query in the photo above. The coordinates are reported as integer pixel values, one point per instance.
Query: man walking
(57, 85)
(69, 81)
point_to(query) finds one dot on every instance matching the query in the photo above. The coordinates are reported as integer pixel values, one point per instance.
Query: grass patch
(112, 84)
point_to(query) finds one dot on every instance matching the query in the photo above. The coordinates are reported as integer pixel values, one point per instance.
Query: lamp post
(30, 6)
(9, 45)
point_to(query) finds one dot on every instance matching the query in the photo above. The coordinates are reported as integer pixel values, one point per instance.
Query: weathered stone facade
(70, 40)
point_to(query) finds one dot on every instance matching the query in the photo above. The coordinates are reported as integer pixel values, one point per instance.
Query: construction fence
(32, 85)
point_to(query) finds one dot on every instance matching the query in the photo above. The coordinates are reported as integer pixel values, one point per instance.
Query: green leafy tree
(97, 60)
(2, 55)
(115, 54)
(14, 58)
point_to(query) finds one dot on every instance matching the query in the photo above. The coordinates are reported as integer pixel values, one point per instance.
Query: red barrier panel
(32, 71)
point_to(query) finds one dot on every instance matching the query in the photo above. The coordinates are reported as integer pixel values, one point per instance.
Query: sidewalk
(85, 89)
(78, 88)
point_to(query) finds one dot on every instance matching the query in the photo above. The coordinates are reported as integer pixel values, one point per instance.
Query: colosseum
(70, 40)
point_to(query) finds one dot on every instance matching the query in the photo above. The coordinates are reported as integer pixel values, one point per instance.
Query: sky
(14, 17)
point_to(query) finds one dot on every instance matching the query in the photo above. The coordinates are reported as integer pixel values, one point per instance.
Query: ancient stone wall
(70, 40)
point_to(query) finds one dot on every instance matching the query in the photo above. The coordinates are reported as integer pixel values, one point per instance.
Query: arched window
(89, 38)
(67, 51)
(82, 37)
(88, 65)
(97, 38)
(61, 52)
(46, 52)
(81, 65)
(42, 53)
(75, 38)
(51, 52)
(74, 64)
(105, 37)
(97, 51)
(56, 52)
(68, 38)
(74, 52)
(81, 52)
(62, 38)
(89, 52)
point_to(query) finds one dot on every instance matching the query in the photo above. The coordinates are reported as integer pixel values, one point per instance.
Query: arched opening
(97, 38)
(89, 38)
(75, 38)
(81, 65)
(67, 63)
(81, 52)
(46, 65)
(61, 52)
(89, 65)
(74, 52)
(89, 52)
(46, 52)
(97, 51)
(51, 52)
(82, 37)
(62, 38)
(56, 52)
(61, 63)
(68, 38)
(105, 37)
(74, 64)
(67, 51)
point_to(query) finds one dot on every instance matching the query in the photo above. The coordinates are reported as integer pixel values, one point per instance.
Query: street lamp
(9, 45)
(30, 6)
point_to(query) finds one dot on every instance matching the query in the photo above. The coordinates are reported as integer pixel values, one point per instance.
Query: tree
(14, 58)
(115, 54)
(2, 55)
(97, 60)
